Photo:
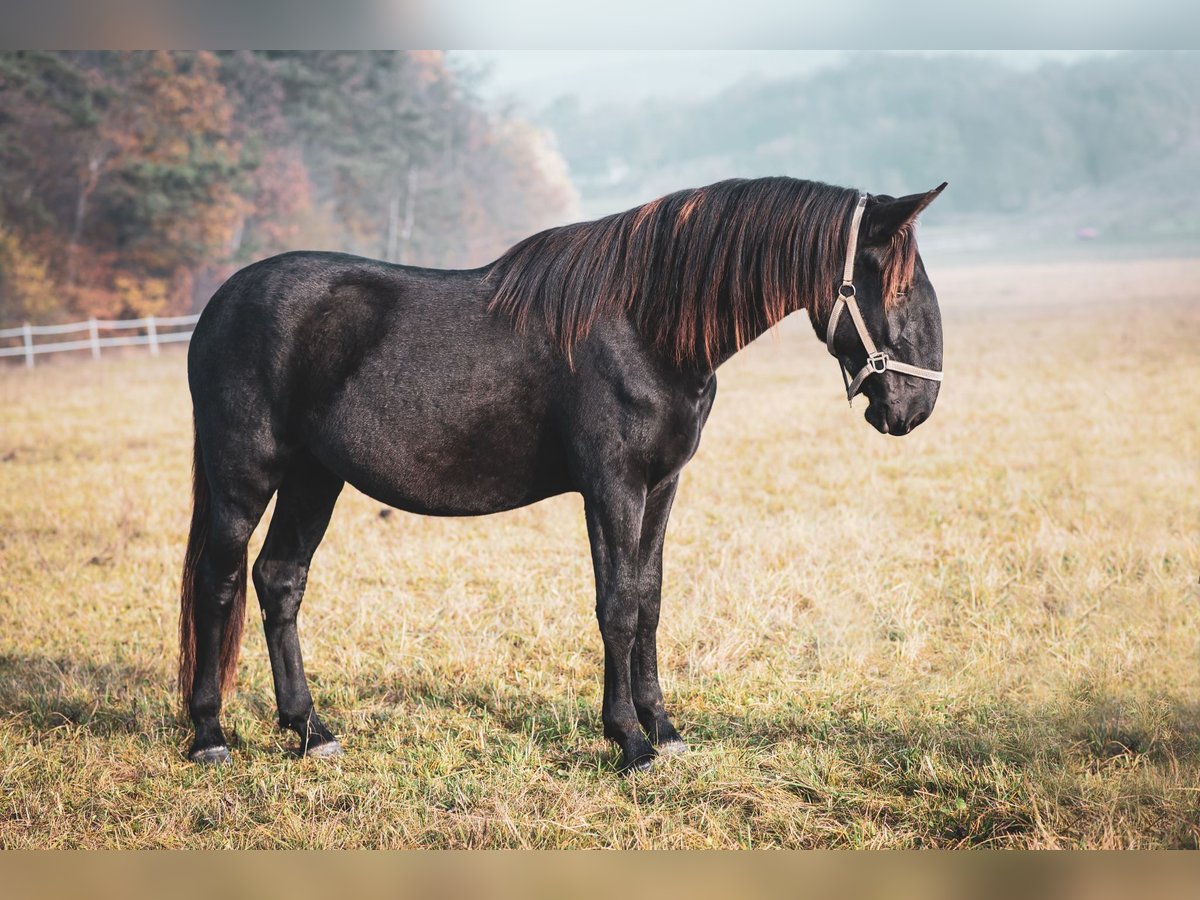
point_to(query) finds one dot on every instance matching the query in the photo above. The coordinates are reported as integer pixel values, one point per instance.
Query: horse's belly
(434, 493)
(447, 465)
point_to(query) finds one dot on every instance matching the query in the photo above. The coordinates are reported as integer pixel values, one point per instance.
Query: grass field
(984, 633)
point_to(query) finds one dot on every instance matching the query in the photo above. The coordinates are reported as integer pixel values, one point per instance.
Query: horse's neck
(735, 340)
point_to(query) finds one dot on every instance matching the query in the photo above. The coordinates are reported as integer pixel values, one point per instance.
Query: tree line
(132, 183)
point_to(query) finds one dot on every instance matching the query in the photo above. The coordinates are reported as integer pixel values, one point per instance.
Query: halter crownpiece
(877, 362)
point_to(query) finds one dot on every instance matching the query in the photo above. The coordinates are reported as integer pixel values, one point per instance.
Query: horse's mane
(702, 271)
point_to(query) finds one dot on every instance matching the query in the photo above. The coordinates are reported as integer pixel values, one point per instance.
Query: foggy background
(1047, 153)
(132, 183)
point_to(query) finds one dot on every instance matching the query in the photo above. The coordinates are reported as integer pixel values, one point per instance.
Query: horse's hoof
(641, 764)
(211, 756)
(327, 750)
(673, 747)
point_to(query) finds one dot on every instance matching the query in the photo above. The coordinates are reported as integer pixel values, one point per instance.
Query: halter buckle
(878, 362)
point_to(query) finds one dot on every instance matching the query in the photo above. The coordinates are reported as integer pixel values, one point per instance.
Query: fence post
(94, 331)
(28, 337)
(152, 333)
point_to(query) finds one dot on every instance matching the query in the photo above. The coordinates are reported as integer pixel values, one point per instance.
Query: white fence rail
(152, 337)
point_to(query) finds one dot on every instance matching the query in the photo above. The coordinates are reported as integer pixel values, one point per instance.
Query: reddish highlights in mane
(701, 271)
(900, 259)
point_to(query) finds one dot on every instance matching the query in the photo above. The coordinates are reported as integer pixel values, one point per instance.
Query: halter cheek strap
(877, 362)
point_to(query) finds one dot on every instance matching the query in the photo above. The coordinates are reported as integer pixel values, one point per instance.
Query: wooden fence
(152, 327)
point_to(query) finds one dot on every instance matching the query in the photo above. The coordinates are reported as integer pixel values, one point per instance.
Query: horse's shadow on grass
(106, 699)
(1091, 731)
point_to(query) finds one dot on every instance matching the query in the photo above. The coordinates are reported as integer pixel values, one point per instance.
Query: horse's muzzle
(896, 423)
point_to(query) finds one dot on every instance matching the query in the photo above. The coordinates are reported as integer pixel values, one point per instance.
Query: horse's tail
(231, 636)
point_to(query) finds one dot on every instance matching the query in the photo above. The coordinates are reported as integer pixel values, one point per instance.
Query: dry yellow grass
(984, 633)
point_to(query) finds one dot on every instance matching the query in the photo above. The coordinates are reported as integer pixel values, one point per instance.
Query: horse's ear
(886, 217)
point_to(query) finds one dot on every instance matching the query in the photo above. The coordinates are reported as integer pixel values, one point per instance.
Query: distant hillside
(1109, 144)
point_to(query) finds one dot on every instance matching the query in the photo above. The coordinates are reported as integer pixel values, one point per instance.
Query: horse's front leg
(647, 692)
(614, 519)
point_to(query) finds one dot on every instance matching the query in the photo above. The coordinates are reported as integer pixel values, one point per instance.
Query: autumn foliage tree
(132, 183)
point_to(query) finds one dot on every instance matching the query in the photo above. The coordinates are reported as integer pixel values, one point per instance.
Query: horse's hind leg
(647, 692)
(303, 508)
(220, 590)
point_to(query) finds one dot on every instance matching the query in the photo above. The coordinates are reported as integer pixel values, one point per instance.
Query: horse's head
(885, 327)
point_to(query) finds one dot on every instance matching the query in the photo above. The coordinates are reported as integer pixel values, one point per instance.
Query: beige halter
(876, 362)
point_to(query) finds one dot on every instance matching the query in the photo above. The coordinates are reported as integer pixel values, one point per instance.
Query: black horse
(581, 360)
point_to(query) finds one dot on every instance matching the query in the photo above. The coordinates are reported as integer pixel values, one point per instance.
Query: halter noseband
(877, 362)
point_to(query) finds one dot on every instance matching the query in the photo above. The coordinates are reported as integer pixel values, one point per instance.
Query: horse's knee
(618, 633)
(618, 620)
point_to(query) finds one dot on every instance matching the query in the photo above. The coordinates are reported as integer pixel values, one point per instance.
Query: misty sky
(532, 78)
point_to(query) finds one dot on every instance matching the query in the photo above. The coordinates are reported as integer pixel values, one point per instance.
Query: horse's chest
(655, 434)
(679, 437)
